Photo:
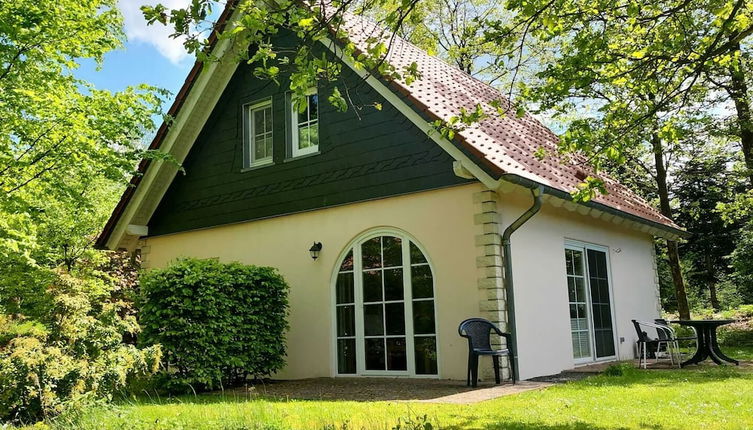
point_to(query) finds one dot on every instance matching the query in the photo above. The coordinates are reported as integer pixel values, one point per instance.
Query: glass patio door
(589, 297)
(384, 302)
(384, 340)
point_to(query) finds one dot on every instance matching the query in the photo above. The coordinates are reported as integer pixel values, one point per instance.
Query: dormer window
(305, 124)
(258, 134)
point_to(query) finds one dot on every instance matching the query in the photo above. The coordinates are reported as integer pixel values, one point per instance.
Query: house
(412, 227)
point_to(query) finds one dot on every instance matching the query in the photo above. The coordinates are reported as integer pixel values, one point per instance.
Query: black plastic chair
(478, 332)
(665, 336)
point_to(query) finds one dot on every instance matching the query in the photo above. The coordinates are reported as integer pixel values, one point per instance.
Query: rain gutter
(564, 195)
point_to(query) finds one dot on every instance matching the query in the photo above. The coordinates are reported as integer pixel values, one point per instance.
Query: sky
(149, 56)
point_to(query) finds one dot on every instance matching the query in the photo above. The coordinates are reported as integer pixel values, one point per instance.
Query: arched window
(384, 300)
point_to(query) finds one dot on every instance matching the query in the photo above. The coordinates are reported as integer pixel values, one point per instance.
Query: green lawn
(709, 397)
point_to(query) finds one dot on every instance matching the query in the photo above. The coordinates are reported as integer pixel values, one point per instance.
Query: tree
(613, 41)
(632, 122)
(733, 78)
(455, 31)
(57, 130)
(699, 185)
(66, 151)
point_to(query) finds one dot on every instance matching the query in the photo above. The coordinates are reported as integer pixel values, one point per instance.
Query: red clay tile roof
(507, 144)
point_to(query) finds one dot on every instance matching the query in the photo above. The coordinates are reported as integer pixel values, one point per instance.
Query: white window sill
(298, 157)
(258, 165)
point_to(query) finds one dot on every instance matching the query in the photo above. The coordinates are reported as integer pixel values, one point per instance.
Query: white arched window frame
(411, 337)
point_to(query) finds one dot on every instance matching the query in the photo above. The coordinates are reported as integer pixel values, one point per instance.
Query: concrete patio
(386, 389)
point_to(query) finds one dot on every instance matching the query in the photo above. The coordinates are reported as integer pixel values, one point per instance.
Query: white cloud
(156, 34)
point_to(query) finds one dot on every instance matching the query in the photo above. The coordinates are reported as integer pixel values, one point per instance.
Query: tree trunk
(711, 279)
(738, 91)
(672, 252)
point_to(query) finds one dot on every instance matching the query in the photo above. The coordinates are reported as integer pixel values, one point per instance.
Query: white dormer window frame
(258, 134)
(305, 126)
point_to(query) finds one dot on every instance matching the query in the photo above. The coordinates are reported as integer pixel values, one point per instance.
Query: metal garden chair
(478, 332)
(665, 336)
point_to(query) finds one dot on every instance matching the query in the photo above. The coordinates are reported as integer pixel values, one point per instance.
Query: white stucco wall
(442, 222)
(541, 300)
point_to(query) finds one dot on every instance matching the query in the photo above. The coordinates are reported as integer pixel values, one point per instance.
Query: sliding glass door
(590, 302)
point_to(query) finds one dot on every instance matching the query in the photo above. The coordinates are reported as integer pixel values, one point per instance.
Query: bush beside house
(218, 323)
(63, 347)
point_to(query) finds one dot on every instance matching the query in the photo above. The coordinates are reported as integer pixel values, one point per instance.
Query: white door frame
(584, 247)
(354, 245)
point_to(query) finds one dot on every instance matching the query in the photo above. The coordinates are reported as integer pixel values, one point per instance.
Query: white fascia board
(215, 74)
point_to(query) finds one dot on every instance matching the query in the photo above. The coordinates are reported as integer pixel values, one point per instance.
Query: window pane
(426, 355)
(396, 354)
(259, 150)
(571, 289)
(346, 321)
(259, 121)
(303, 110)
(423, 317)
(373, 321)
(372, 286)
(313, 106)
(393, 251)
(268, 145)
(581, 345)
(345, 288)
(347, 262)
(395, 313)
(314, 134)
(416, 256)
(421, 281)
(303, 137)
(374, 354)
(268, 120)
(580, 289)
(578, 263)
(346, 356)
(393, 284)
(371, 253)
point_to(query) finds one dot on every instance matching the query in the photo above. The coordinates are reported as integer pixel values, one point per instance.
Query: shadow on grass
(520, 425)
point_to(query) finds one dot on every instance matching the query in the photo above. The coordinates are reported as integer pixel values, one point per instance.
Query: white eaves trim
(190, 119)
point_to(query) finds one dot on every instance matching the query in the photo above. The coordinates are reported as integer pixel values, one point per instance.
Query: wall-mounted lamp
(315, 249)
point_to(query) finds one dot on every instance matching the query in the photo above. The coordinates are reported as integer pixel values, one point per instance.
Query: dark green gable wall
(364, 155)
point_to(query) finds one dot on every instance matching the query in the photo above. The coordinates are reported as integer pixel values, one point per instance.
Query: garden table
(708, 347)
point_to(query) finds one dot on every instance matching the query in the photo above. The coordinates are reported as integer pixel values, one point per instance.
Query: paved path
(489, 393)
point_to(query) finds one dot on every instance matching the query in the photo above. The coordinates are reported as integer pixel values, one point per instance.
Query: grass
(708, 397)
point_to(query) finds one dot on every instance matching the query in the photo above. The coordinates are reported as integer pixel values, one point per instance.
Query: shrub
(71, 354)
(217, 323)
(619, 369)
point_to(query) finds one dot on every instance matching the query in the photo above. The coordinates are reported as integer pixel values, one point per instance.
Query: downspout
(536, 192)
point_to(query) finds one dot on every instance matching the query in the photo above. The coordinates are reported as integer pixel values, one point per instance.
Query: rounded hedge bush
(218, 323)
